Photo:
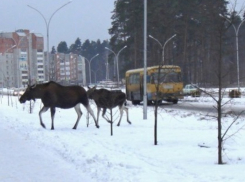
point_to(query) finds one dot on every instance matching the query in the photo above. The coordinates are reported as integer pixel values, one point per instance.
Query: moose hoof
(97, 126)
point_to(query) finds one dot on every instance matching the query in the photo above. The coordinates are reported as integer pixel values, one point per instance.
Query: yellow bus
(170, 84)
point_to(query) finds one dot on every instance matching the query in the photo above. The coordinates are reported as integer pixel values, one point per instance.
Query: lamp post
(47, 23)
(107, 70)
(162, 46)
(89, 64)
(95, 74)
(9, 49)
(114, 62)
(237, 49)
(145, 62)
(116, 56)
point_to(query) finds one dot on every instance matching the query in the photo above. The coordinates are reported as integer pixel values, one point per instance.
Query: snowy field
(32, 154)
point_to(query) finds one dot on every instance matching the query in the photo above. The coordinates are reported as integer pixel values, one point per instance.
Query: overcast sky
(86, 19)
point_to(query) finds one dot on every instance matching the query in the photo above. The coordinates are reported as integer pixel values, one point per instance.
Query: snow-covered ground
(30, 153)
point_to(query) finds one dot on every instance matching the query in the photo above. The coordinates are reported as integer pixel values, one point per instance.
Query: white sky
(86, 19)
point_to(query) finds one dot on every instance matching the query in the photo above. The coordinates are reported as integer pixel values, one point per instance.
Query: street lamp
(95, 74)
(9, 49)
(162, 46)
(116, 56)
(237, 50)
(89, 64)
(107, 70)
(145, 62)
(47, 23)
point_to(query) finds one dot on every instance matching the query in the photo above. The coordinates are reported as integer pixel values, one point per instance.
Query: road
(207, 108)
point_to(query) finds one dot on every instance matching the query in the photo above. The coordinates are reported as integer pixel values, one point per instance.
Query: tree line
(194, 24)
(89, 49)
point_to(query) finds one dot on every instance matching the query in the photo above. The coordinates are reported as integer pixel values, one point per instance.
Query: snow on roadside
(129, 155)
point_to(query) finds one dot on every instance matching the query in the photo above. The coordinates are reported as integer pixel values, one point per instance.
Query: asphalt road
(207, 108)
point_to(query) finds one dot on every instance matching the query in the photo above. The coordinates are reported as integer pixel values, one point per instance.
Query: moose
(55, 95)
(107, 100)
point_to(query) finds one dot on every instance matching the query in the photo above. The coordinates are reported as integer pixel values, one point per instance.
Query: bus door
(134, 86)
(141, 87)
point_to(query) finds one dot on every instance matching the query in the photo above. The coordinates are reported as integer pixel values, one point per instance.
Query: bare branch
(232, 123)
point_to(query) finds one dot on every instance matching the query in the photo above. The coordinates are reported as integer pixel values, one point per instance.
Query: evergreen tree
(53, 51)
(191, 21)
(76, 47)
(62, 47)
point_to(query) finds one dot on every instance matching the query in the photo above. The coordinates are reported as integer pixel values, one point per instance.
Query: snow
(29, 152)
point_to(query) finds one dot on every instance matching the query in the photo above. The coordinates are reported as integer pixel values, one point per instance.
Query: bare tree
(218, 53)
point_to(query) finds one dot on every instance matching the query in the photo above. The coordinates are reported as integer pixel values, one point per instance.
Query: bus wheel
(134, 102)
(149, 102)
(175, 101)
(158, 102)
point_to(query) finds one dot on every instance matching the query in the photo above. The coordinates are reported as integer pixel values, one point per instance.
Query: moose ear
(33, 86)
(28, 87)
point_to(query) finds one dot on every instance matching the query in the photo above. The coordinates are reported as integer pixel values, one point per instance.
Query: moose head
(90, 92)
(28, 95)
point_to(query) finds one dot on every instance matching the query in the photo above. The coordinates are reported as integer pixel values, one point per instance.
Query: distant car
(192, 90)
(18, 92)
(21, 92)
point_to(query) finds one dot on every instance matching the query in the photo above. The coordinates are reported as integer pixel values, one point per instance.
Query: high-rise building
(22, 58)
(67, 69)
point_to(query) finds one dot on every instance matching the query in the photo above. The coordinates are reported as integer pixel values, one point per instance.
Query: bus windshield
(165, 77)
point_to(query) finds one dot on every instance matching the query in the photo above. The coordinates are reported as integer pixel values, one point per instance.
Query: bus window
(165, 77)
(172, 77)
(148, 79)
(134, 79)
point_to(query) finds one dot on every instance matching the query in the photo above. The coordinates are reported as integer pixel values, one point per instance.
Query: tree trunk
(111, 122)
(155, 126)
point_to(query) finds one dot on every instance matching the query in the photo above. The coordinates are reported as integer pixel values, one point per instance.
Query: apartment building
(67, 69)
(22, 58)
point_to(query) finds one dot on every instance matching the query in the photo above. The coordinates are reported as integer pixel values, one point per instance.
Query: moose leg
(44, 109)
(98, 114)
(126, 110)
(92, 113)
(79, 114)
(103, 115)
(121, 114)
(52, 117)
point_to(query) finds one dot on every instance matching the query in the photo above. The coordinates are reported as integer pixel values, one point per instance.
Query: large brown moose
(55, 95)
(106, 99)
